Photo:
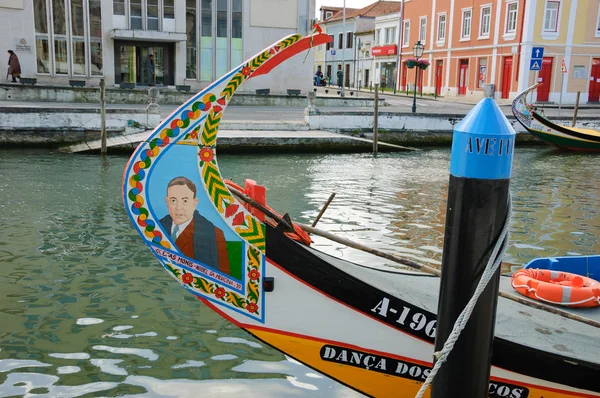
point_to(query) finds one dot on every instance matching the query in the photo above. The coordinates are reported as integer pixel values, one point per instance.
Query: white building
(194, 42)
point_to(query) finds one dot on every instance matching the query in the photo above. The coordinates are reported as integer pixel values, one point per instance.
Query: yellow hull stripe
(370, 382)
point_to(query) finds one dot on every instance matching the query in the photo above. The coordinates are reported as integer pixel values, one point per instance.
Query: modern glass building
(193, 42)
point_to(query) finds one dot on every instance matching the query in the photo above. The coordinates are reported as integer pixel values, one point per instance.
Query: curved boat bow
(371, 330)
(572, 138)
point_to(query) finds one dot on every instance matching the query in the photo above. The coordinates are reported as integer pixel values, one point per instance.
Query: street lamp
(363, 50)
(417, 53)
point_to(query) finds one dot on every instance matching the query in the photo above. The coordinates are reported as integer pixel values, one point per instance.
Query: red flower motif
(246, 70)
(254, 274)
(206, 154)
(187, 278)
(219, 292)
(252, 307)
(194, 135)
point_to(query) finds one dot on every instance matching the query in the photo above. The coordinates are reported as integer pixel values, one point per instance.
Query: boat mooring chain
(490, 270)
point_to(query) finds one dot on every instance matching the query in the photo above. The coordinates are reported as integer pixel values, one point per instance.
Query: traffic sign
(535, 64)
(563, 67)
(332, 52)
(537, 53)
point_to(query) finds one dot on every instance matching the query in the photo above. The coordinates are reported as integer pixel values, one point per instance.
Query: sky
(340, 3)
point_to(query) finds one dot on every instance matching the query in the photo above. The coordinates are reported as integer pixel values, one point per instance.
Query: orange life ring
(260, 196)
(557, 287)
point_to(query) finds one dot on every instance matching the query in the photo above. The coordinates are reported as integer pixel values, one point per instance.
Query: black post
(480, 169)
(414, 107)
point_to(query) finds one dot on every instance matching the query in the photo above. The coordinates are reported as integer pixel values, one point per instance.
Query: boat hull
(371, 355)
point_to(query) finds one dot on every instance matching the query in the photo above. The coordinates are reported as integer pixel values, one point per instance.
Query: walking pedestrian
(149, 65)
(14, 66)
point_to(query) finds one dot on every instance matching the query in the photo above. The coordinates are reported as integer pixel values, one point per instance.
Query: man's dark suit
(202, 241)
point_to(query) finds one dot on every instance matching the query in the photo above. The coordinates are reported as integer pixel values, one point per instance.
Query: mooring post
(478, 194)
(103, 116)
(576, 109)
(375, 119)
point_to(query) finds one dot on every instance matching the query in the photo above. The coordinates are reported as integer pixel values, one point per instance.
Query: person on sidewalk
(14, 66)
(149, 66)
(340, 78)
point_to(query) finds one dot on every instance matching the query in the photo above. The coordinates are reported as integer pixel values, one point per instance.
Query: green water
(86, 310)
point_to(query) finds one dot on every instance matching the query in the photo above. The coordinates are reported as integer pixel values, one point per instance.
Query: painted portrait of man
(194, 235)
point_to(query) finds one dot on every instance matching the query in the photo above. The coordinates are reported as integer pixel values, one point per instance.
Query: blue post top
(483, 144)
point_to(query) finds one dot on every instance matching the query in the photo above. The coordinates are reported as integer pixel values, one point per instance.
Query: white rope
(463, 318)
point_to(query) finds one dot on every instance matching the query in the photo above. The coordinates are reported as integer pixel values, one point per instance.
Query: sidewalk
(454, 99)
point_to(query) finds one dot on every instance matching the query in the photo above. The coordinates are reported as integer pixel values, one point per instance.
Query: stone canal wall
(414, 129)
(168, 96)
(56, 126)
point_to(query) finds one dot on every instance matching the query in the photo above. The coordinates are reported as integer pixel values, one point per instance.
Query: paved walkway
(253, 114)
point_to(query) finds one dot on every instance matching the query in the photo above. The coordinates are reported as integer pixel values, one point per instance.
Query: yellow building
(569, 33)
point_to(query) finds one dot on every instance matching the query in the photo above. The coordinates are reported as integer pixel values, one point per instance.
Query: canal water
(86, 310)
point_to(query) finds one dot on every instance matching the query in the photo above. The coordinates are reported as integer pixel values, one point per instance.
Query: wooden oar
(407, 262)
(314, 224)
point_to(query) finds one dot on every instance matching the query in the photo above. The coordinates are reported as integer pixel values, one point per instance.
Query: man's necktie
(174, 233)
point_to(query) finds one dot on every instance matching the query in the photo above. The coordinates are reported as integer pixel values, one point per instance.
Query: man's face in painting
(181, 203)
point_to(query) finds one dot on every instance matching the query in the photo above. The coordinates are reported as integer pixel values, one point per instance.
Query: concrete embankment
(167, 96)
(414, 129)
(51, 127)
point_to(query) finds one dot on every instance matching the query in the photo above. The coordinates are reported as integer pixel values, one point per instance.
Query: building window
(206, 41)
(598, 24)
(390, 35)
(169, 9)
(331, 44)
(482, 72)
(220, 28)
(119, 7)
(191, 55)
(152, 15)
(340, 41)
(378, 37)
(406, 33)
(73, 24)
(486, 15)
(328, 14)
(237, 50)
(422, 29)
(465, 32)
(511, 18)
(551, 16)
(441, 36)
(349, 39)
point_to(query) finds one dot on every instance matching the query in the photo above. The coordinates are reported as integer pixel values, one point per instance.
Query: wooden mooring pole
(375, 120)
(103, 116)
(576, 109)
(478, 193)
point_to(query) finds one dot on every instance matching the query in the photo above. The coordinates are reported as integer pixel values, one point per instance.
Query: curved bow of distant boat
(566, 137)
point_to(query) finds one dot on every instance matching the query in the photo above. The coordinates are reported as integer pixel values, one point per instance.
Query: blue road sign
(535, 64)
(537, 52)
(332, 52)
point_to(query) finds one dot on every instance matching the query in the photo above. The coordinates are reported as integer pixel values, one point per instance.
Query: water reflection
(85, 308)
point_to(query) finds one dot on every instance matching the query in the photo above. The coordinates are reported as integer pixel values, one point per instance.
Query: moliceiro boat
(372, 330)
(572, 138)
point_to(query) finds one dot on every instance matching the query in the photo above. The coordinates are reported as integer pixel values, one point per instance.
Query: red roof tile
(373, 10)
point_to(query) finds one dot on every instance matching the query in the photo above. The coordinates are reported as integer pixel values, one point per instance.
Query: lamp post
(417, 53)
(363, 50)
